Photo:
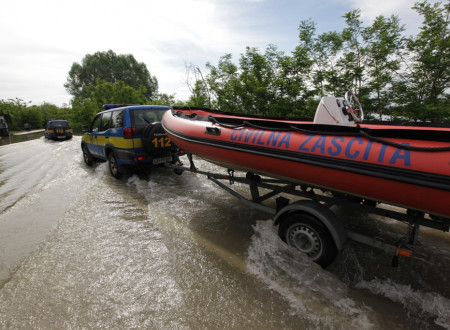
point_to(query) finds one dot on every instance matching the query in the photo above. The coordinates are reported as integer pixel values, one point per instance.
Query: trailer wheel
(307, 234)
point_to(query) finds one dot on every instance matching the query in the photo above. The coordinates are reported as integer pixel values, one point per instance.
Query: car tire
(88, 159)
(114, 168)
(307, 234)
(156, 131)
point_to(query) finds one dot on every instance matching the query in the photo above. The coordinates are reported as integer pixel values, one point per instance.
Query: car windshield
(142, 117)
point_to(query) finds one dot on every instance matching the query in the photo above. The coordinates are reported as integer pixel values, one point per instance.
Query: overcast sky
(41, 39)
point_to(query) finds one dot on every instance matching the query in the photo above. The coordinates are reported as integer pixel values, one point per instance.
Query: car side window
(95, 127)
(117, 119)
(105, 122)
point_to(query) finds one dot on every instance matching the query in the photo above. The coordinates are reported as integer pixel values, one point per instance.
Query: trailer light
(139, 158)
(403, 252)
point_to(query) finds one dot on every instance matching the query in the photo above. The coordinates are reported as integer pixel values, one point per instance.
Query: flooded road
(79, 249)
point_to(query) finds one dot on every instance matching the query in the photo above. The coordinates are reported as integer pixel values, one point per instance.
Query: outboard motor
(339, 110)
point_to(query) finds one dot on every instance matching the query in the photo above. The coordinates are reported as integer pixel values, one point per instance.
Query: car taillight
(49, 127)
(129, 132)
(68, 127)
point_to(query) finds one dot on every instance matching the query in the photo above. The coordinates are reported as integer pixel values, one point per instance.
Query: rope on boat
(247, 123)
(402, 146)
(214, 120)
(325, 133)
(359, 133)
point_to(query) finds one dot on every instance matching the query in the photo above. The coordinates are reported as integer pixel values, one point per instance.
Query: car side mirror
(85, 128)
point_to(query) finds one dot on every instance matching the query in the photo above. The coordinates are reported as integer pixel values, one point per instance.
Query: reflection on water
(13, 138)
(169, 251)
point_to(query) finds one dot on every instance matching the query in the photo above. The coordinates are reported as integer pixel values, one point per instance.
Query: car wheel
(114, 167)
(88, 159)
(307, 234)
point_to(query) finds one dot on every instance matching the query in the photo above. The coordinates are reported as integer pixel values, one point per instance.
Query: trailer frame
(318, 205)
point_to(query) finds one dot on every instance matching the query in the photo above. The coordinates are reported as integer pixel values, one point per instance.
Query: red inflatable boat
(407, 166)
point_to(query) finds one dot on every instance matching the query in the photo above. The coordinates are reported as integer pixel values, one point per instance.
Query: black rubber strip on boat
(424, 179)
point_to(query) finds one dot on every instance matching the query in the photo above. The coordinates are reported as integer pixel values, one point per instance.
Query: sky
(41, 39)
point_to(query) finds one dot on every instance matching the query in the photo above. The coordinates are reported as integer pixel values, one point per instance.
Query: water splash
(311, 291)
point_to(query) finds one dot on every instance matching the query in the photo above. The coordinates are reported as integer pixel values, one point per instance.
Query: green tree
(352, 60)
(200, 95)
(225, 85)
(51, 111)
(323, 52)
(108, 66)
(198, 86)
(13, 110)
(427, 64)
(383, 45)
(33, 116)
(291, 84)
(257, 76)
(406, 78)
(167, 99)
(85, 108)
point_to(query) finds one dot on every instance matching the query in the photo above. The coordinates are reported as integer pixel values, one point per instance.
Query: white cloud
(40, 40)
(370, 9)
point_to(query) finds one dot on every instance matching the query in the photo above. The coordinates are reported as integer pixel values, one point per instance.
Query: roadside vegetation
(396, 77)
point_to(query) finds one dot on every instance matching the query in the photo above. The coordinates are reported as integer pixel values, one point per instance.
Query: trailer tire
(307, 234)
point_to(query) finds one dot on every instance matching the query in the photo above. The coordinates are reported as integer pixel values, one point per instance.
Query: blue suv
(129, 136)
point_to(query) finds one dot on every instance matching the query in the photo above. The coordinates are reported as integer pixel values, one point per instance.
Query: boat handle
(212, 131)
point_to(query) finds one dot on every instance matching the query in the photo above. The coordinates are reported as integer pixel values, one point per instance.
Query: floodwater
(81, 250)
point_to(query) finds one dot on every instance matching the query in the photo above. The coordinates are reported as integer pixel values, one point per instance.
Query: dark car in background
(3, 127)
(58, 129)
(129, 136)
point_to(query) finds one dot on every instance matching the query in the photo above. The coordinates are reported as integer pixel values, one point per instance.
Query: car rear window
(59, 124)
(142, 117)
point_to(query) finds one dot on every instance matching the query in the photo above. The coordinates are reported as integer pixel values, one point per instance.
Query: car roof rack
(113, 106)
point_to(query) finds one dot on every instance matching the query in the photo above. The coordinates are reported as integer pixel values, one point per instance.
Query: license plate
(61, 137)
(162, 160)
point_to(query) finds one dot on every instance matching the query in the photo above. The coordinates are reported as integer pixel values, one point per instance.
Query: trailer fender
(322, 213)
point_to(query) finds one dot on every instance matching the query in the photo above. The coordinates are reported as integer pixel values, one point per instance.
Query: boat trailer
(309, 225)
